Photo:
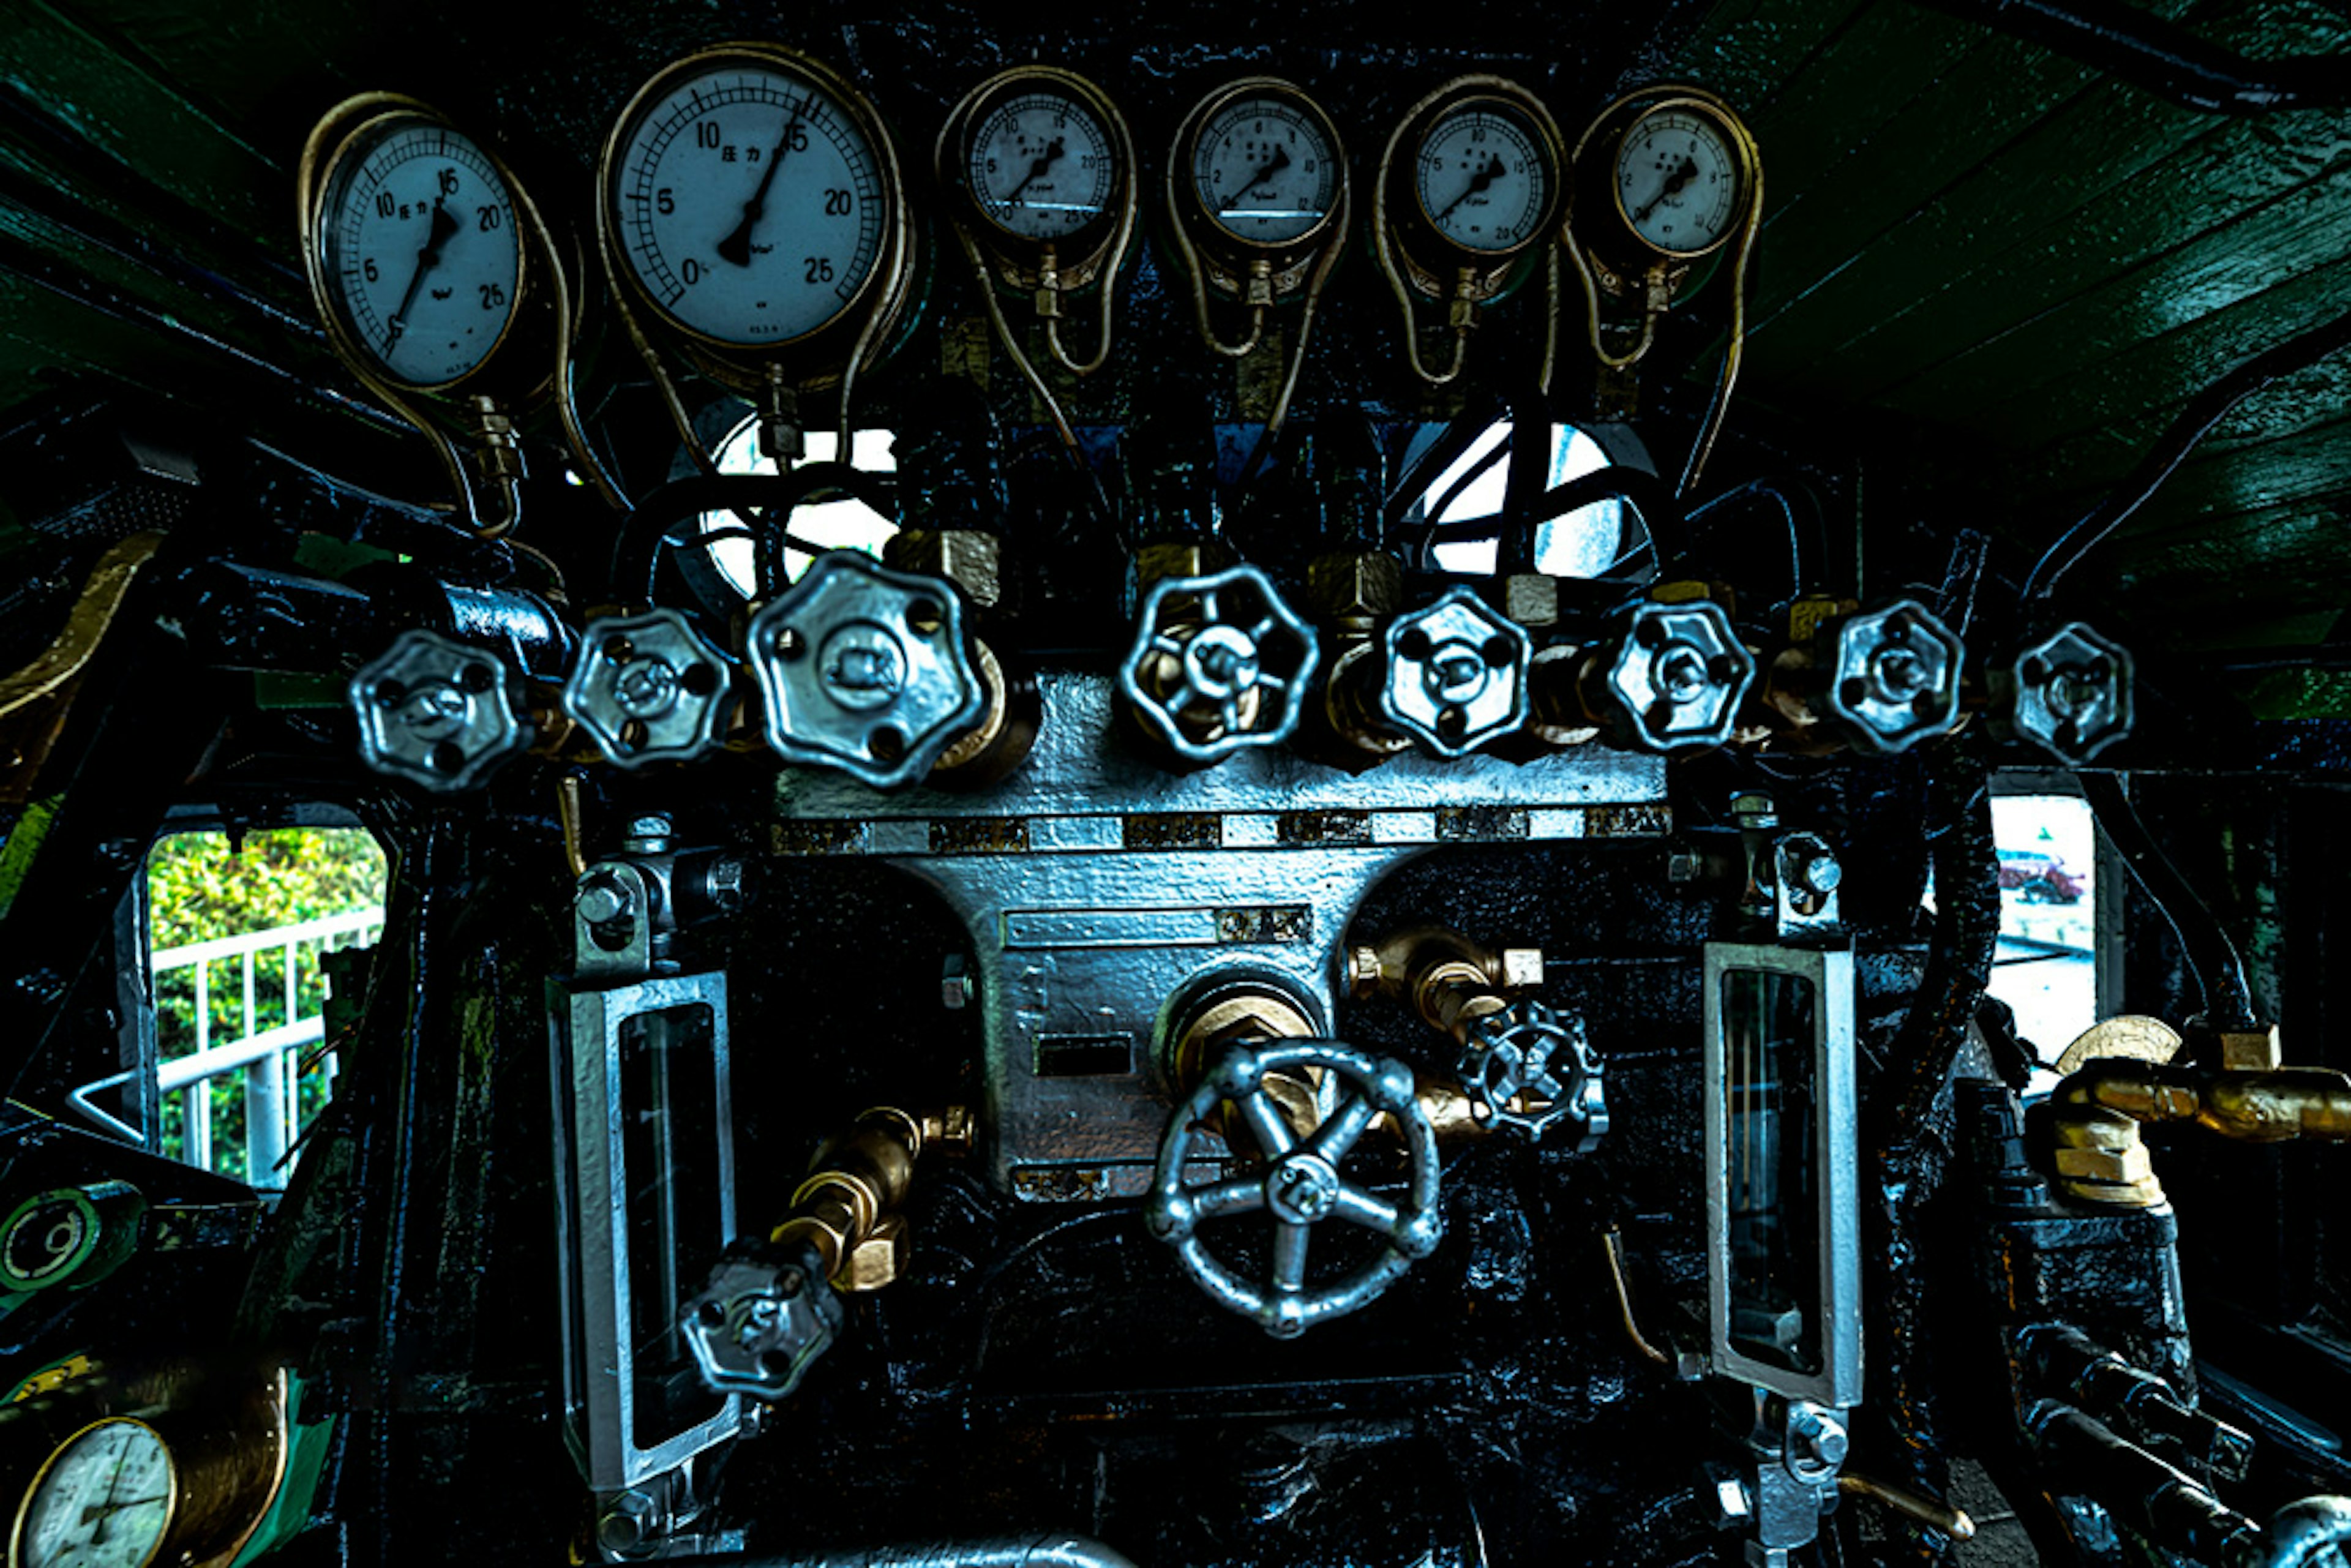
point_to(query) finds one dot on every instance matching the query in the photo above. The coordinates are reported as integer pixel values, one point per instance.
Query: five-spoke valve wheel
(1298, 1184)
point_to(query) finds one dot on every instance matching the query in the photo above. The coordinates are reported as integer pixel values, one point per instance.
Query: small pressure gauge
(105, 1499)
(1471, 191)
(1667, 175)
(417, 259)
(1257, 205)
(1043, 157)
(1264, 165)
(1040, 167)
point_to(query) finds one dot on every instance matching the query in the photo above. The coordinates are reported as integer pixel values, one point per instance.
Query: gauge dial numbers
(104, 1500)
(417, 250)
(1679, 184)
(1485, 180)
(1043, 166)
(1266, 166)
(745, 201)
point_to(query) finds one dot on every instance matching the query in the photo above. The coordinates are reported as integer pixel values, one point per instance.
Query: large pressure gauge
(441, 288)
(418, 250)
(752, 206)
(1470, 193)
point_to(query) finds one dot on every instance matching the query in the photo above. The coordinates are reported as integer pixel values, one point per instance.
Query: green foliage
(198, 890)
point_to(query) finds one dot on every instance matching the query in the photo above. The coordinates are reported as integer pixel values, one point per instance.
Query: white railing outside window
(270, 1060)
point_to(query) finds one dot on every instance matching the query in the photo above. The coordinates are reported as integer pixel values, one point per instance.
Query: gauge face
(1264, 168)
(1483, 179)
(419, 249)
(747, 204)
(1678, 181)
(1043, 166)
(104, 1500)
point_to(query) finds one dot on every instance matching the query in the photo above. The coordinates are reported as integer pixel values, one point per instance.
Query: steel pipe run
(2301, 1535)
(986, 1552)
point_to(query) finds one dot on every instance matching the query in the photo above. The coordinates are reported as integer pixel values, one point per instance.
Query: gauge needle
(444, 225)
(1478, 182)
(1052, 155)
(105, 1511)
(736, 246)
(1680, 177)
(1280, 161)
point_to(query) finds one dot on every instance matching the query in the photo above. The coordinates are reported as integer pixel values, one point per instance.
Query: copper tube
(1614, 1245)
(1953, 1521)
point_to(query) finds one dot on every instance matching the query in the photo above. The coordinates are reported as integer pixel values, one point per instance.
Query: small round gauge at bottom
(104, 1500)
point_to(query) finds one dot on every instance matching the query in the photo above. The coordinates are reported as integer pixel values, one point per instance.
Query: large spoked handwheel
(1300, 1186)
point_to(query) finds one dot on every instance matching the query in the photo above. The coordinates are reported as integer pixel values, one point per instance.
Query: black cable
(2227, 1001)
(2204, 411)
(1458, 435)
(2163, 58)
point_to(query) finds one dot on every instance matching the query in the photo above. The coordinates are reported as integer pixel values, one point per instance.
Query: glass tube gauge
(1471, 190)
(1043, 165)
(752, 207)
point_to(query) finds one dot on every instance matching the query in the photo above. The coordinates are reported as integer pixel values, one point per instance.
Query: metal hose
(1057, 1551)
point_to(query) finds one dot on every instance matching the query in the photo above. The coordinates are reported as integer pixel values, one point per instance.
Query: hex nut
(1189, 558)
(1355, 585)
(2072, 693)
(2112, 1168)
(2248, 1050)
(1530, 598)
(878, 1260)
(971, 560)
(1362, 970)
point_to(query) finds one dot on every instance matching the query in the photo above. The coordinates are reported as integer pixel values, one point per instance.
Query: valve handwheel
(1300, 1185)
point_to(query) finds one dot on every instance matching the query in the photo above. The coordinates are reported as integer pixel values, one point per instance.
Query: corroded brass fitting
(847, 1209)
(1450, 981)
(2097, 1112)
(971, 560)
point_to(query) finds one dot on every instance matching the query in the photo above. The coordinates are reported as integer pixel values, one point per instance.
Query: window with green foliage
(239, 924)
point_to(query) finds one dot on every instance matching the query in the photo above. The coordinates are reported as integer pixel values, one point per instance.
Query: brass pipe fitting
(1448, 980)
(847, 1209)
(2097, 1112)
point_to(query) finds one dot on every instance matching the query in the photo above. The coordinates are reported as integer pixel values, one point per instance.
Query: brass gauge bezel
(353, 127)
(172, 1472)
(880, 296)
(1227, 260)
(1436, 266)
(1624, 255)
(1077, 259)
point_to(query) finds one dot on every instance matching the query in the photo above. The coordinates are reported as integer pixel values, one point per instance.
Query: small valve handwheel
(1299, 1183)
(1897, 678)
(1532, 1069)
(1219, 662)
(2072, 693)
(1677, 678)
(761, 1321)
(1456, 674)
(647, 689)
(436, 712)
(866, 670)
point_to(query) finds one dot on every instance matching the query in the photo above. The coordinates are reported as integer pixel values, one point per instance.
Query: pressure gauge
(1257, 207)
(1470, 192)
(413, 247)
(1681, 172)
(1265, 165)
(1484, 179)
(105, 1500)
(750, 197)
(1042, 159)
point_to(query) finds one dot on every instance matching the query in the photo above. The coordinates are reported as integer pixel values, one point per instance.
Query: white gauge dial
(1483, 180)
(1678, 181)
(1043, 166)
(419, 251)
(749, 203)
(104, 1500)
(1264, 168)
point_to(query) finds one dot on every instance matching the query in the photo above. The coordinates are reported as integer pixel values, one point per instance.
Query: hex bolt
(648, 835)
(604, 899)
(630, 1520)
(956, 987)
